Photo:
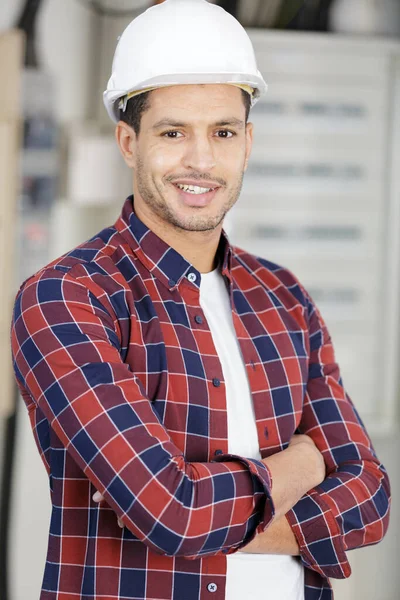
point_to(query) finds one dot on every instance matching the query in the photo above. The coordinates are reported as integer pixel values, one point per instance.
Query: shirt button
(198, 319)
(171, 282)
(216, 382)
(192, 277)
(218, 452)
(212, 587)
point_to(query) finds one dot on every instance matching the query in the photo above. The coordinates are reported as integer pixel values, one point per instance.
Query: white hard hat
(181, 42)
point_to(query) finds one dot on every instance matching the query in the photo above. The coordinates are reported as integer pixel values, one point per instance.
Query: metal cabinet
(322, 197)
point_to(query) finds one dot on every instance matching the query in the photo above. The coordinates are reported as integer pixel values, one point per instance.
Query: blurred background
(321, 197)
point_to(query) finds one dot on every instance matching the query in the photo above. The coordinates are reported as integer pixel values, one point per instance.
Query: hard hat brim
(112, 97)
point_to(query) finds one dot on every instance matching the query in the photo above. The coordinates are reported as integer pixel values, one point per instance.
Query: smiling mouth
(196, 196)
(194, 189)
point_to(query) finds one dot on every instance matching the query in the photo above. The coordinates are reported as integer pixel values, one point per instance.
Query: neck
(197, 247)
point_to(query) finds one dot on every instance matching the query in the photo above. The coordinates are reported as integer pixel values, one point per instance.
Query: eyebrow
(231, 122)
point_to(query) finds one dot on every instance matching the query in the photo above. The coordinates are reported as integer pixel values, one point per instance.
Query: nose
(199, 154)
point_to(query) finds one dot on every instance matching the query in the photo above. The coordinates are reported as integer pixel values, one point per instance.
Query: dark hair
(137, 105)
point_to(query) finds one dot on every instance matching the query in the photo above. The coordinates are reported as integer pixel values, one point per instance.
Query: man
(180, 387)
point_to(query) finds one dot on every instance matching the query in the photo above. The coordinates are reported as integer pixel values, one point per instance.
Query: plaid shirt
(125, 392)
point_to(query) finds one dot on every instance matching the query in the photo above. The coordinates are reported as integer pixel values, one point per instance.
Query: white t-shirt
(253, 576)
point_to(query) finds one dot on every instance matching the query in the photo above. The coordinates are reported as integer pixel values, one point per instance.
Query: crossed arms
(97, 408)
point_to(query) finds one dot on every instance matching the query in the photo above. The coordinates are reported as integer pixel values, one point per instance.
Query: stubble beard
(159, 206)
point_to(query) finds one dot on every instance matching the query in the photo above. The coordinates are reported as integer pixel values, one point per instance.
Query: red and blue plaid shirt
(116, 364)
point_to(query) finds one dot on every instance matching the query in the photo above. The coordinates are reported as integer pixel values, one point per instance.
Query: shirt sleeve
(66, 355)
(350, 508)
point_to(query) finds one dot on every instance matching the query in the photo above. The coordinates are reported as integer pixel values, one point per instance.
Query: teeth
(193, 189)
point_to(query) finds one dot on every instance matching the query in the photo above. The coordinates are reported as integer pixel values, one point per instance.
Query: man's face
(190, 155)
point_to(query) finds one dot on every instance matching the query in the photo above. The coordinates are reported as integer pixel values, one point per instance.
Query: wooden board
(11, 63)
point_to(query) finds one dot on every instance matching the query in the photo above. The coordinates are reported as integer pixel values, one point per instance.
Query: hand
(317, 460)
(278, 538)
(97, 497)
(295, 471)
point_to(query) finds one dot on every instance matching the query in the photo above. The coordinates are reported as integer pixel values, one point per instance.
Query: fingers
(97, 497)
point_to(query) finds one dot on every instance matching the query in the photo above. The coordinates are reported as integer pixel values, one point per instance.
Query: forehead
(197, 100)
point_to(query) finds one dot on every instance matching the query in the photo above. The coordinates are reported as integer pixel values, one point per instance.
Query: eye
(225, 134)
(172, 135)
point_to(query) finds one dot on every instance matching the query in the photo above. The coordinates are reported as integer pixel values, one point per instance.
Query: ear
(249, 143)
(126, 140)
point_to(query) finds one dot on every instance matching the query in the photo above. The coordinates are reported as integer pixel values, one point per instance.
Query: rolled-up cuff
(264, 509)
(318, 536)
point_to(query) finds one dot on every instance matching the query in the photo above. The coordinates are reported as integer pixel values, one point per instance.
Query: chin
(197, 222)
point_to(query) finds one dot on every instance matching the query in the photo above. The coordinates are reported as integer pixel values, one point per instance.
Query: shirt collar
(158, 257)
